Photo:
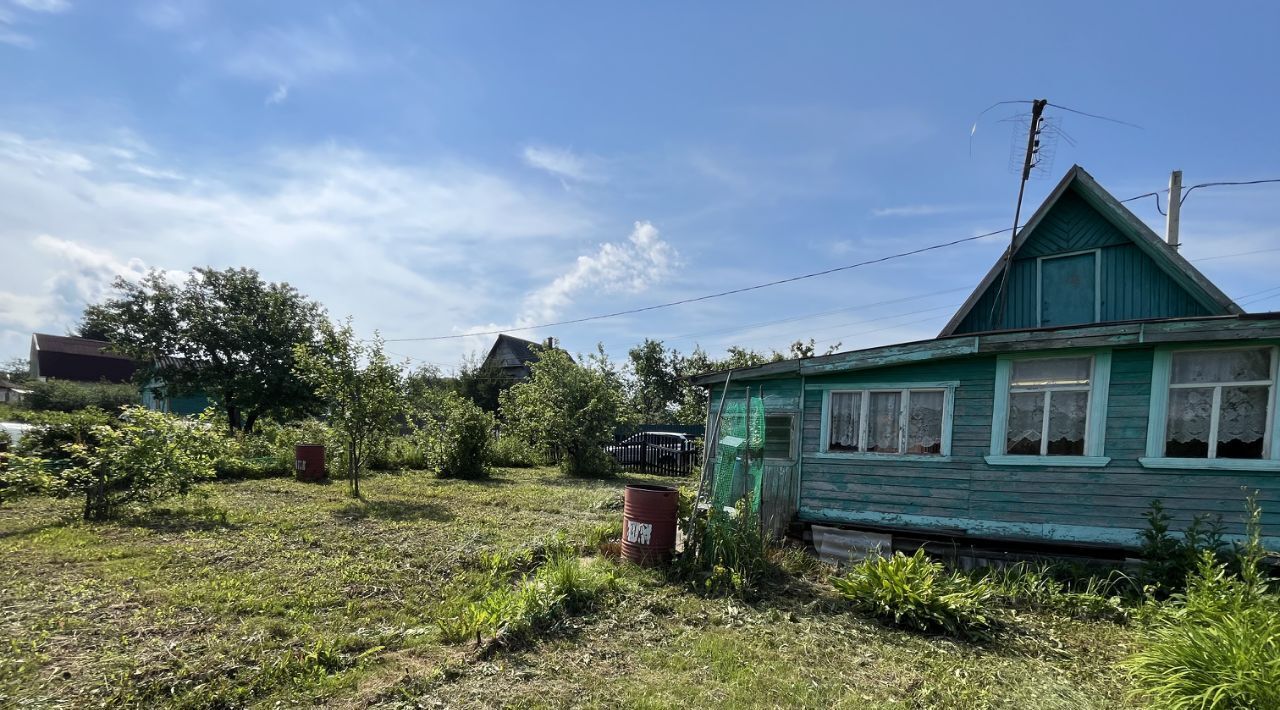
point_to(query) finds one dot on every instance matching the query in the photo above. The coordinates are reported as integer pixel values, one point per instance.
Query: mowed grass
(275, 593)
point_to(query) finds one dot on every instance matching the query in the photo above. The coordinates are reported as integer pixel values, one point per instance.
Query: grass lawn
(275, 593)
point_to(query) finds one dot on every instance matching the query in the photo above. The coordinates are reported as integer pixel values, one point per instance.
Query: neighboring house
(513, 355)
(66, 357)
(11, 393)
(156, 396)
(1113, 374)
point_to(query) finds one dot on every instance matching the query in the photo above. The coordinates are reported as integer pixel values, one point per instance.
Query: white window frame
(904, 391)
(1158, 416)
(1097, 283)
(1095, 412)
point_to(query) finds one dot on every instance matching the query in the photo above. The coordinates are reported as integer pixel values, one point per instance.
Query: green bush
(144, 457)
(460, 439)
(1217, 645)
(1042, 587)
(918, 593)
(1166, 559)
(511, 452)
(67, 396)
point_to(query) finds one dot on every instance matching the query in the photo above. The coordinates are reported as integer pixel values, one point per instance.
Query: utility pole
(1028, 162)
(1175, 206)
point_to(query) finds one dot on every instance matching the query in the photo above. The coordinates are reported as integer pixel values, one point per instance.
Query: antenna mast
(1028, 162)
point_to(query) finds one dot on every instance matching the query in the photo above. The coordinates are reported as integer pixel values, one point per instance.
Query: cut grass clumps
(918, 593)
(1041, 587)
(514, 610)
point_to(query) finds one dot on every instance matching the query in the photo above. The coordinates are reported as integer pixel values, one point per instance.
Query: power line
(710, 296)
(1239, 253)
(801, 277)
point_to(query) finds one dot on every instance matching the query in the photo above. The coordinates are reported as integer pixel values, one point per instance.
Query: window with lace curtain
(886, 421)
(1048, 407)
(1219, 404)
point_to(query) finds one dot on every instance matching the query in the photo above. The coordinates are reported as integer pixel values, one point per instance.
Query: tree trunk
(353, 468)
(250, 421)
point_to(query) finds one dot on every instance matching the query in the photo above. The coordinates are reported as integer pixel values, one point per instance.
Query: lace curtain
(882, 421)
(1026, 415)
(846, 407)
(1067, 412)
(924, 423)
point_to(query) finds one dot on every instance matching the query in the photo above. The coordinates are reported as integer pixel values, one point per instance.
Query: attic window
(1067, 289)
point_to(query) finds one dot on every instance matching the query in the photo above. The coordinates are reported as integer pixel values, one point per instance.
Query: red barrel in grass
(308, 462)
(649, 523)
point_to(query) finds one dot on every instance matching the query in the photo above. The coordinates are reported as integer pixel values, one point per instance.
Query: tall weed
(918, 593)
(725, 553)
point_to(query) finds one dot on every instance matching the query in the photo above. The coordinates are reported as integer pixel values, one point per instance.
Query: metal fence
(651, 452)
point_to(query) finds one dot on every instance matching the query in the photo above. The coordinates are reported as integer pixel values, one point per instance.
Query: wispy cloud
(291, 55)
(914, 210)
(278, 96)
(622, 267)
(561, 162)
(43, 5)
(394, 245)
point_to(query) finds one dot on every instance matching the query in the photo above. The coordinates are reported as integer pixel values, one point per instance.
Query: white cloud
(913, 210)
(170, 15)
(406, 249)
(278, 96)
(293, 55)
(626, 267)
(43, 5)
(561, 162)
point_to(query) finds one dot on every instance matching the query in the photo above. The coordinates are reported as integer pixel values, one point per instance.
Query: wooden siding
(964, 494)
(1132, 285)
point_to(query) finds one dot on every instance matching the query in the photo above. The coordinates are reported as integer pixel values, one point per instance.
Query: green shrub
(398, 454)
(67, 396)
(1166, 559)
(1217, 645)
(725, 553)
(918, 593)
(1041, 587)
(460, 439)
(144, 457)
(511, 452)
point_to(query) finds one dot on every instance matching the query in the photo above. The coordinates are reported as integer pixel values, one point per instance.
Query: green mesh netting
(740, 453)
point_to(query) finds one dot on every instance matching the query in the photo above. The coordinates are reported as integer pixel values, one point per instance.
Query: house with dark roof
(512, 355)
(1092, 371)
(12, 392)
(66, 357)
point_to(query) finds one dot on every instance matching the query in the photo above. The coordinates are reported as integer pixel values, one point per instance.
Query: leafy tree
(567, 408)
(143, 457)
(483, 383)
(16, 370)
(361, 388)
(228, 334)
(655, 385)
(801, 349)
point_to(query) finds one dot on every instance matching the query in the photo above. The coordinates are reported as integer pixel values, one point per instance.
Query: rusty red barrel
(308, 462)
(649, 523)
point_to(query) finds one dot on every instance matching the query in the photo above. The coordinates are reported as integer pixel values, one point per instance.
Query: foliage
(1218, 645)
(68, 396)
(144, 457)
(361, 388)
(1166, 559)
(482, 383)
(16, 370)
(459, 438)
(918, 593)
(511, 452)
(654, 390)
(1045, 587)
(567, 408)
(228, 334)
(725, 553)
(800, 349)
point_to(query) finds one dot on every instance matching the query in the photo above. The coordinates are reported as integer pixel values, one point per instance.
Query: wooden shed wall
(965, 494)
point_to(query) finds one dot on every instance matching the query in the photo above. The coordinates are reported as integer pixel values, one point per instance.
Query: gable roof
(519, 347)
(1079, 181)
(72, 345)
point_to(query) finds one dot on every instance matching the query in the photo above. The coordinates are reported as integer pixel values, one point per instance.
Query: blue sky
(438, 168)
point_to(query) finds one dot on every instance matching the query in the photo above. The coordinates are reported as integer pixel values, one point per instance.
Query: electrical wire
(707, 297)
(1094, 115)
(1150, 194)
(1187, 193)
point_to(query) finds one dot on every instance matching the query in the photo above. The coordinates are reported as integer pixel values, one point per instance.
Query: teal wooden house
(1110, 374)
